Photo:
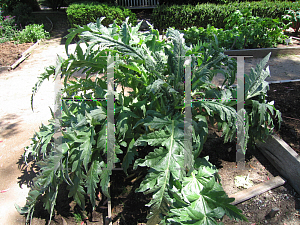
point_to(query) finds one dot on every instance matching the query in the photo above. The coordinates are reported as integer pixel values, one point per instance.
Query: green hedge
(184, 16)
(84, 13)
(8, 6)
(195, 2)
(69, 2)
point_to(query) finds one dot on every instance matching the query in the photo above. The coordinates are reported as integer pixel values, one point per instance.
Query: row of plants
(57, 4)
(195, 2)
(242, 31)
(184, 16)
(10, 31)
(86, 12)
(185, 189)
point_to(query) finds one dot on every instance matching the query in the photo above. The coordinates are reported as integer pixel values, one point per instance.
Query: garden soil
(18, 124)
(11, 52)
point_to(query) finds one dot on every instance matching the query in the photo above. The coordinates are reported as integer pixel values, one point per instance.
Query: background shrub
(241, 31)
(23, 14)
(8, 29)
(184, 16)
(191, 2)
(55, 5)
(8, 6)
(195, 2)
(32, 33)
(21, 10)
(69, 2)
(84, 13)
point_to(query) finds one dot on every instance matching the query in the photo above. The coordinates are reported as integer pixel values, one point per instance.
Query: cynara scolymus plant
(183, 191)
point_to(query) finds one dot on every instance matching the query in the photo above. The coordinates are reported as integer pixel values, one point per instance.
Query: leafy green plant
(183, 191)
(293, 19)
(256, 31)
(242, 30)
(32, 33)
(200, 15)
(86, 12)
(9, 31)
(77, 217)
(8, 28)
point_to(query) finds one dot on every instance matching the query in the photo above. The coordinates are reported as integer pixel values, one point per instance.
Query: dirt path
(18, 122)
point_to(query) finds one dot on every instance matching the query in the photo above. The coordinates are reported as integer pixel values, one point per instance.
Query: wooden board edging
(25, 55)
(283, 158)
(261, 53)
(257, 190)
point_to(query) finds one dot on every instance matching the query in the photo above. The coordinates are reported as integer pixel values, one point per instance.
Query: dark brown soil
(11, 52)
(287, 97)
(259, 170)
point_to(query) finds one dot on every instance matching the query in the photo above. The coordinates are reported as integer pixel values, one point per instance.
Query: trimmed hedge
(195, 2)
(184, 16)
(8, 6)
(87, 12)
(69, 2)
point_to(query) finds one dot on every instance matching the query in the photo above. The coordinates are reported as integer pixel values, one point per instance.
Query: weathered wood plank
(283, 158)
(257, 190)
(20, 60)
(260, 53)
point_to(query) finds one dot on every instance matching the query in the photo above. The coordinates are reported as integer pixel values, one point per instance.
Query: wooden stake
(20, 60)
(108, 220)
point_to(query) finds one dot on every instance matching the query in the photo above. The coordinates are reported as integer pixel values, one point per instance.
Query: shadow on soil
(7, 128)
(28, 172)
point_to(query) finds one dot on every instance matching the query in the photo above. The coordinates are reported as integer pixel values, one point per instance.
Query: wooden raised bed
(260, 53)
(283, 158)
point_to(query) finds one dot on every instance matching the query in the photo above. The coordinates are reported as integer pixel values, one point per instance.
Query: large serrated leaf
(129, 157)
(208, 201)
(255, 81)
(105, 178)
(86, 147)
(164, 162)
(92, 180)
(77, 191)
